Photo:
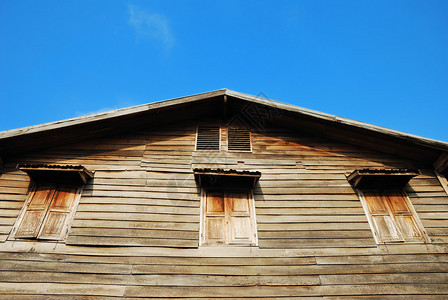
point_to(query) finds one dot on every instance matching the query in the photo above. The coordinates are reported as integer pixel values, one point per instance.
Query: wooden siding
(143, 209)
(325, 273)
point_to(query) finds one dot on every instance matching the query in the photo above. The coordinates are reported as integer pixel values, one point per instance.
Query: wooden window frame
(221, 144)
(443, 180)
(377, 235)
(227, 243)
(197, 135)
(67, 223)
(250, 140)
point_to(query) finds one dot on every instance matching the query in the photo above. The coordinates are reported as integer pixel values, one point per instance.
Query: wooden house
(221, 195)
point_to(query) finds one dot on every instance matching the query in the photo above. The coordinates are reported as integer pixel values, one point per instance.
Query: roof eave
(177, 102)
(341, 120)
(109, 114)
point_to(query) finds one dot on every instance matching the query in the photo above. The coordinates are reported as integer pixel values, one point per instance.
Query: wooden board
(136, 229)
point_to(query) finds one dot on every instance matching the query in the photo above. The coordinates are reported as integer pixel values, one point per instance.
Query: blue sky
(380, 62)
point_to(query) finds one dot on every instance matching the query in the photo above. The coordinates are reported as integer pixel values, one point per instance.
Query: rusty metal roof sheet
(69, 174)
(227, 172)
(381, 178)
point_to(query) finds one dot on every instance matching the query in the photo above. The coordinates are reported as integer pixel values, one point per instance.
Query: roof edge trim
(221, 92)
(108, 114)
(333, 118)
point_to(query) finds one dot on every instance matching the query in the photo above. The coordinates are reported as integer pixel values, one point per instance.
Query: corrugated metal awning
(381, 178)
(225, 178)
(57, 173)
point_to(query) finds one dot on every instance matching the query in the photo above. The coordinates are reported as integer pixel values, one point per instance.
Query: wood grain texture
(136, 230)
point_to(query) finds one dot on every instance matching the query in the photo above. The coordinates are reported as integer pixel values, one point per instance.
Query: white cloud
(153, 26)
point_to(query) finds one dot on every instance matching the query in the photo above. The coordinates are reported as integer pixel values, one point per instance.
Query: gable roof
(220, 102)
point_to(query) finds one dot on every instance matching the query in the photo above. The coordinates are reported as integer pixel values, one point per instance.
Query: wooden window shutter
(47, 212)
(239, 139)
(59, 211)
(385, 226)
(215, 218)
(404, 217)
(228, 219)
(36, 210)
(208, 138)
(392, 217)
(240, 227)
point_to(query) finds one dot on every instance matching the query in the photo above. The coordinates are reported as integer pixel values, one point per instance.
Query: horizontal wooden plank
(380, 259)
(439, 239)
(431, 208)
(8, 220)
(305, 190)
(305, 204)
(125, 223)
(5, 229)
(135, 232)
(103, 268)
(171, 187)
(310, 198)
(312, 226)
(14, 205)
(315, 234)
(149, 217)
(13, 183)
(125, 208)
(310, 210)
(292, 269)
(437, 231)
(429, 200)
(159, 280)
(302, 183)
(139, 201)
(162, 193)
(130, 258)
(290, 291)
(427, 223)
(9, 213)
(279, 219)
(120, 182)
(388, 297)
(286, 243)
(14, 190)
(18, 288)
(120, 174)
(434, 215)
(129, 241)
(412, 278)
(424, 188)
(51, 247)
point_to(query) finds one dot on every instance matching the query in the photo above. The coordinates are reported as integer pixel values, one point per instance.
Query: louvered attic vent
(239, 139)
(208, 138)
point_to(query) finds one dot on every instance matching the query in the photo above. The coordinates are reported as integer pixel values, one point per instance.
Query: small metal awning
(381, 178)
(226, 178)
(57, 173)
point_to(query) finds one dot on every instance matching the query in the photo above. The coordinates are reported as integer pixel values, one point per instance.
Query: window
(209, 138)
(228, 218)
(52, 200)
(238, 139)
(392, 217)
(47, 211)
(389, 211)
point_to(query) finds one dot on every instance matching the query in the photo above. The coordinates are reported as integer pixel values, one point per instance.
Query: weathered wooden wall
(410, 271)
(314, 238)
